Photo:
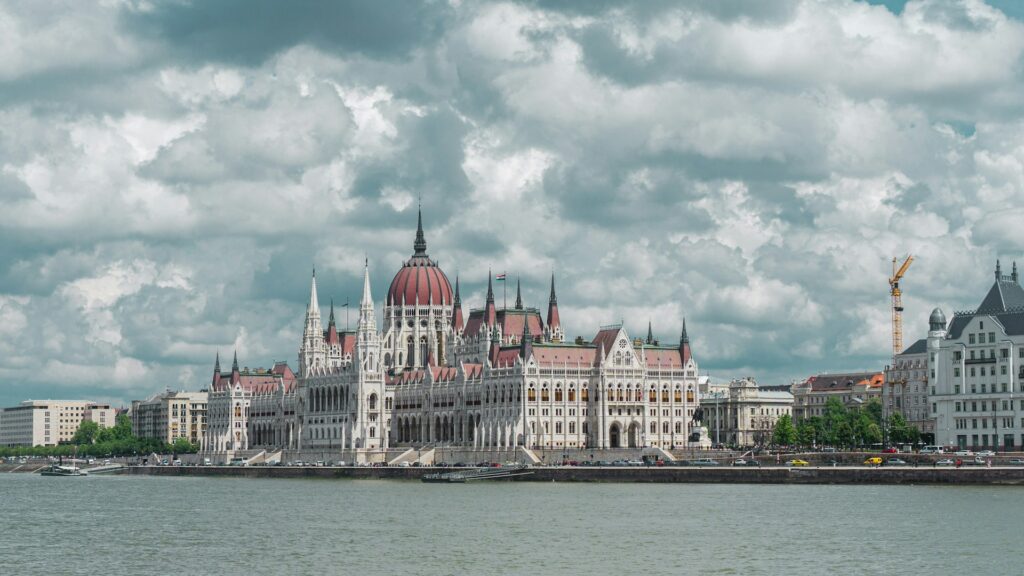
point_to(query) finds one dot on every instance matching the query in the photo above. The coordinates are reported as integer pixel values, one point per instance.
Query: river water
(163, 525)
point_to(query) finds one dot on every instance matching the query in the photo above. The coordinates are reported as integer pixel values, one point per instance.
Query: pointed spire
(330, 322)
(1013, 276)
(519, 295)
(553, 299)
(490, 288)
(314, 304)
(554, 322)
(216, 363)
(683, 337)
(420, 245)
(999, 272)
(234, 363)
(367, 318)
(457, 322)
(650, 334)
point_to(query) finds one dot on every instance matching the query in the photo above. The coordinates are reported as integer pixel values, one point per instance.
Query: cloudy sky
(170, 172)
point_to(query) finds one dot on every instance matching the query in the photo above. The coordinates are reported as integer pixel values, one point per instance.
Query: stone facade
(975, 370)
(743, 414)
(905, 390)
(171, 415)
(853, 389)
(499, 378)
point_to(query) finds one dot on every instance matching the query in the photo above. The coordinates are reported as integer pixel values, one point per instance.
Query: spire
(234, 363)
(519, 295)
(330, 322)
(684, 345)
(314, 305)
(216, 364)
(526, 344)
(366, 315)
(554, 322)
(490, 314)
(1014, 276)
(999, 272)
(420, 246)
(490, 288)
(457, 323)
(650, 334)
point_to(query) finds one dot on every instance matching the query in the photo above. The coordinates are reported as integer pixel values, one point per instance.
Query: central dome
(420, 281)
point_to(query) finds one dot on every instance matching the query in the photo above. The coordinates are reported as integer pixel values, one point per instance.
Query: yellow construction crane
(897, 305)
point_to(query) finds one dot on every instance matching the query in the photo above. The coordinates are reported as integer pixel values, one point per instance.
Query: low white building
(743, 414)
(49, 422)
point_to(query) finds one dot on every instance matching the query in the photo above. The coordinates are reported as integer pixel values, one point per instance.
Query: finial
(458, 299)
(552, 298)
(519, 295)
(216, 363)
(650, 334)
(331, 321)
(490, 288)
(999, 272)
(684, 338)
(234, 363)
(420, 245)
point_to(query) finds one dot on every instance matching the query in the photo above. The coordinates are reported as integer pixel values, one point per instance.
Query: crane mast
(897, 304)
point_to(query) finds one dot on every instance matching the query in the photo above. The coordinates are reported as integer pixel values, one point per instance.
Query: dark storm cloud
(248, 32)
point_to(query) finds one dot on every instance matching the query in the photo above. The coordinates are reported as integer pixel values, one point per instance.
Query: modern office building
(49, 422)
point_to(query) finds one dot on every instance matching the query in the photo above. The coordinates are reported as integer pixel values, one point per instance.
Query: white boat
(58, 470)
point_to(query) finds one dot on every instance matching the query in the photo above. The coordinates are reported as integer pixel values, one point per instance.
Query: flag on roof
(500, 277)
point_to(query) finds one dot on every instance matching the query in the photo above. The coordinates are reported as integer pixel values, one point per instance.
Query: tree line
(844, 427)
(91, 439)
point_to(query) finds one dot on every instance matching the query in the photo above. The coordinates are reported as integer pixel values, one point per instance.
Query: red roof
(664, 357)
(510, 320)
(420, 281)
(546, 355)
(606, 338)
(502, 357)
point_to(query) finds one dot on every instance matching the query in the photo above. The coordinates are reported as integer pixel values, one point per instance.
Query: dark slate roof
(919, 347)
(1004, 295)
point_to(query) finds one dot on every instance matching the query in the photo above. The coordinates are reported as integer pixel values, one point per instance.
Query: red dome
(420, 281)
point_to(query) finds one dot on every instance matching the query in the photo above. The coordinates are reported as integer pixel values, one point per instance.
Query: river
(159, 525)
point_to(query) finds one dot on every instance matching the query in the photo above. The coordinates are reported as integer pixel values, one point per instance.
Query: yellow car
(873, 461)
(798, 462)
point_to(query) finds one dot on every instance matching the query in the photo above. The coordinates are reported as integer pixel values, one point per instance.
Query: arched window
(531, 394)
(664, 395)
(611, 394)
(652, 396)
(585, 427)
(544, 393)
(585, 394)
(423, 350)
(558, 427)
(679, 427)
(654, 428)
(618, 358)
(238, 410)
(572, 394)
(572, 427)
(639, 394)
(410, 351)
(373, 432)
(664, 427)
(558, 393)
(679, 395)
(373, 401)
(621, 397)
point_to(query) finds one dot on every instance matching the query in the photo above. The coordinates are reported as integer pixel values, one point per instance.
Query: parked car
(705, 462)
(891, 450)
(404, 464)
(828, 449)
(798, 462)
(986, 454)
(963, 453)
(895, 462)
(176, 463)
(873, 461)
(635, 463)
(932, 450)
(739, 462)
(945, 462)
(620, 463)
(1016, 462)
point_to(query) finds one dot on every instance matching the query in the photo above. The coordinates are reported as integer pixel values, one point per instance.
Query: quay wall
(738, 475)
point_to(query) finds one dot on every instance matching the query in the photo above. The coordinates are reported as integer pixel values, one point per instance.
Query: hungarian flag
(500, 277)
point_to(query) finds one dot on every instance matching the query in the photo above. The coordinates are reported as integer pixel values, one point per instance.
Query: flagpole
(504, 290)
(346, 313)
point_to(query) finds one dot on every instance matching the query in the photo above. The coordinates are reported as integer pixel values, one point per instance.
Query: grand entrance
(634, 435)
(615, 436)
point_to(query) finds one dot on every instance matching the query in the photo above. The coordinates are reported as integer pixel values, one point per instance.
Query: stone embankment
(682, 474)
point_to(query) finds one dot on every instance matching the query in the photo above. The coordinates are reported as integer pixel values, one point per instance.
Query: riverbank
(973, 475)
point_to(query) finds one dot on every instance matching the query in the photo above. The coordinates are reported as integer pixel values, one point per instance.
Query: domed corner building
(417, 312)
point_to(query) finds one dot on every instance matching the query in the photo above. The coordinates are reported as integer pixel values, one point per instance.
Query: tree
(898, 431)
(122, 429)
(784, 433)
(874, 409)
(182, 446)
(806, 435)
(843, 434)
(86, 433)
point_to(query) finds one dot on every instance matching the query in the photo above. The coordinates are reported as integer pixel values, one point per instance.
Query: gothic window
(585, 394)
(572, 427)
(373, 401)
(678, 395)
(679, 427)
(664, 427)
(544, 393)
(652, 396)
(572, 394)
(621, 397)
(410, 351)
(585, 427)
(558, 393)
(558, 427)
(238, 410)
(654, 428)
(664, 395)
(531, 394)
